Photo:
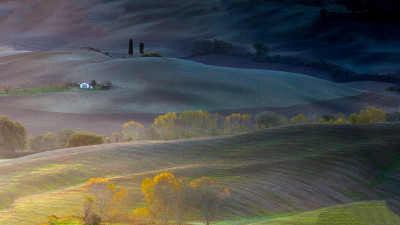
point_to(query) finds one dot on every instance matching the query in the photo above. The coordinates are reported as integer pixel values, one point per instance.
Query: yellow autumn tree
(208, 194)
(159, 193)
(119, 205)
(236, 123)
(196, 123)
(151, 211)
(109, 203)
(377, 115)
(143, 215)
(131, 130)
(166, 125)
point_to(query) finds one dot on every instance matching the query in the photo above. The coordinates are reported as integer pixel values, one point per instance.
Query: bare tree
(181, 199)
(207, 195)
(25, 84)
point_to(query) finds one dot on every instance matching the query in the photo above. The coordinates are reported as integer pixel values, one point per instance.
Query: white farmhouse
(86, 85)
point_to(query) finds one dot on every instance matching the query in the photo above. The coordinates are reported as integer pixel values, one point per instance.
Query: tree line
(172, 126)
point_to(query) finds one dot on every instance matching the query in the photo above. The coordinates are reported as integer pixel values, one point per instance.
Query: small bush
(83, 138)
(152, 54)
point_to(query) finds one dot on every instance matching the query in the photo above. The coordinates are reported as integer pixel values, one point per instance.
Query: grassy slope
(360, 213)
(270, 173)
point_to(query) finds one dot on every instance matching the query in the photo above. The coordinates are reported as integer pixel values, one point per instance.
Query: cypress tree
(130, 47)
(141, 46)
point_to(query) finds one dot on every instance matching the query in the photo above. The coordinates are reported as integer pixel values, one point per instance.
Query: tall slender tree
(130, 47)
(141, 46)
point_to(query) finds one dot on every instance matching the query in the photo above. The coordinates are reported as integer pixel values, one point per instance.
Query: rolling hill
(276, 172)
(143, 87)
(171, 27)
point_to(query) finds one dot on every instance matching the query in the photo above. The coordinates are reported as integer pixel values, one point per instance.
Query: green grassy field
(275, 173)
(39, 90)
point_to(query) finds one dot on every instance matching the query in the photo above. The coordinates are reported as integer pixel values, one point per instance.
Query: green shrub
(83, 138)
(152, 54)
(268, 119)
(12, 135)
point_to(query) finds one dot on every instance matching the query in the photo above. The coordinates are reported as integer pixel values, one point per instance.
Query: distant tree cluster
(63, 139)
(173, 126)
(199, 123)
(204, 47)
(49, 140)
(370, 115)
(338, 73)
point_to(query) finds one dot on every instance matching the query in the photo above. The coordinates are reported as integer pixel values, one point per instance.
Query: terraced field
(271, 173)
